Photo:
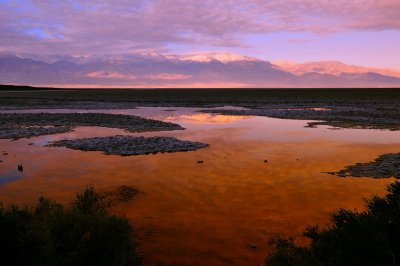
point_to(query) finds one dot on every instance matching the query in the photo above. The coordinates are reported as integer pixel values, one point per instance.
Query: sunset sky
(360, 32)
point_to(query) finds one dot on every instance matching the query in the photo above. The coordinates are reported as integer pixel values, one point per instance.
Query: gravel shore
(385, 166)
(28, 132)
(128, 145)
(333, 116)
(15, 126)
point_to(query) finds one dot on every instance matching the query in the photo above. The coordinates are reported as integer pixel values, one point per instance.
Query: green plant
(84, 233)
(365, 238)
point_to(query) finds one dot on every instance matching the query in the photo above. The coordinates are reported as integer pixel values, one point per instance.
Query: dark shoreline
(347, 108)
(15, 126)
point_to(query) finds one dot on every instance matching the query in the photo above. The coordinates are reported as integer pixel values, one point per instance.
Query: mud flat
(339, 108)
(14, 126)
(30, 98)
(385, 166)
(28, 132)
(128, 145)
(334, 116)
(78, 105)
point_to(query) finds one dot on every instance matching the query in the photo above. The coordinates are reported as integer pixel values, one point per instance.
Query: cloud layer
(122, 26)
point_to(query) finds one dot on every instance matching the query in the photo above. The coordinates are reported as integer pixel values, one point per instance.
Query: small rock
(265, 161)
(199, 162)
(252, 246)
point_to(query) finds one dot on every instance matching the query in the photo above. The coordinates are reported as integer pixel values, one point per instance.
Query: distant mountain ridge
(152, 69)
(331, 68)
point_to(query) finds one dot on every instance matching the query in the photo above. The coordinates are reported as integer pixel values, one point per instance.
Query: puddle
(209, 213)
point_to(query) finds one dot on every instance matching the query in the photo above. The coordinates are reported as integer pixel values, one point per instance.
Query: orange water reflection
(207, 214)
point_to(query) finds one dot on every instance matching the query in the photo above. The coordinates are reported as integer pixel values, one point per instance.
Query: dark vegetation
(84, 233)
(363, 108)
(364, 238)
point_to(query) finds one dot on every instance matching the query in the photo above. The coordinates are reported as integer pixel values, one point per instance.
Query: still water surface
(208, 214)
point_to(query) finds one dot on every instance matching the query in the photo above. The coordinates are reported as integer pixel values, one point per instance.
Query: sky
(360, 32)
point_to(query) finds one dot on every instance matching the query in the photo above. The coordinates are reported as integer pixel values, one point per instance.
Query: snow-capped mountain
(331, 68)
(213, 56)
(152, 69)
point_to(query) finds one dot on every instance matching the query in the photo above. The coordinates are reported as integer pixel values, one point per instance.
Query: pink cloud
(298, 40)
(100, 26)
(109, 75)
(168, 76)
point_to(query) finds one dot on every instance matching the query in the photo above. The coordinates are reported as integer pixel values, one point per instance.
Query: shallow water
(208, 214)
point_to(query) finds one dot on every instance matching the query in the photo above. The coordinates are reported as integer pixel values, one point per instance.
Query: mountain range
(152, 69)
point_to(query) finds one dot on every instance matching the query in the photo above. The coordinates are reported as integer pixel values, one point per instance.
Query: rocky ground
(78, 105)
(28, 132)
(334, 116)
(344, 108)
(128, 145)
(385, 166)
(15, 126)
